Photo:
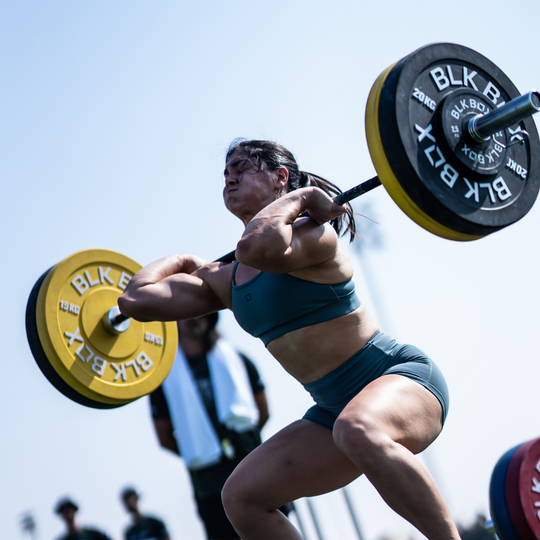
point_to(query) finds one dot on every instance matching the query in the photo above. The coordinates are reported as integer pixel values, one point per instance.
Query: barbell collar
(115, 322)
(481, 127)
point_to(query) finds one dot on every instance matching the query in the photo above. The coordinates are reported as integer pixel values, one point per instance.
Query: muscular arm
(275, 240)
(173, 288)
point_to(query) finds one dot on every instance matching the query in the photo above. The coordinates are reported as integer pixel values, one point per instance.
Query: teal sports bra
(270, 305)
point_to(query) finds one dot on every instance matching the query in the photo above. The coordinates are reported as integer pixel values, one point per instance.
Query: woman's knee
(234, 495)
(360, 438)
(246, 504)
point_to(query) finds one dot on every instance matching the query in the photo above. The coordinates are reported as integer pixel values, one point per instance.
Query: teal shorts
(381, 355)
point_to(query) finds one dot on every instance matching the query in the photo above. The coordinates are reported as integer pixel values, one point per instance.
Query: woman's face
(249, 189)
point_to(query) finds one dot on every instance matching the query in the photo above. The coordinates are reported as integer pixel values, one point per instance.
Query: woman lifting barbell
(377, 402)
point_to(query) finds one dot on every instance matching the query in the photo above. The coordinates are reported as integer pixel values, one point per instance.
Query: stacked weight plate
(68, 336)
(416, 126)
(514, 493)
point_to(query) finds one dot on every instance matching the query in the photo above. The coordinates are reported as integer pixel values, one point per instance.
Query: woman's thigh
(301, 460)
(395, 407)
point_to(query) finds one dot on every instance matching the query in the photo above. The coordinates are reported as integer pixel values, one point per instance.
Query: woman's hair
(270, 156)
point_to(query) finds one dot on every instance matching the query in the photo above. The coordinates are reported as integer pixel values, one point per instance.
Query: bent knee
(360, 434)
(240, 497)
(232, 497)
(245, 502)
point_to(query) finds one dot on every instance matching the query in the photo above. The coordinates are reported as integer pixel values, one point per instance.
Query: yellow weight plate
(386, 174)
(110, 369)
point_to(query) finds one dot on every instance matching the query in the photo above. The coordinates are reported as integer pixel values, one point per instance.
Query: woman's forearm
(269, 234)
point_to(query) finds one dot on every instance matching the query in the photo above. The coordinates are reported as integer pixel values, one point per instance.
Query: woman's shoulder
(218, 276)
(335, 269)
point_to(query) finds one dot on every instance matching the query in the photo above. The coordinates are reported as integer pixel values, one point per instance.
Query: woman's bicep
(180, 296)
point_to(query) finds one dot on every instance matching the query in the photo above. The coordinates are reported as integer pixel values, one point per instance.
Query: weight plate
(497, 498)
(529, 486)
(108, 369)
(41, 358)
(386, 174)
(515, 508)
(409, 132)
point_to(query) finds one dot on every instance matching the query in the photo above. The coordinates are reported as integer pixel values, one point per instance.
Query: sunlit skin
(378, 432)
(248, 190)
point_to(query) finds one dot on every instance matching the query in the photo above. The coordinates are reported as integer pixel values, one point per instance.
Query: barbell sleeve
(115, 322)
(481, 127)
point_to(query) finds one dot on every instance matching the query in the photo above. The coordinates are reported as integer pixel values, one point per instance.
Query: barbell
(453, 143)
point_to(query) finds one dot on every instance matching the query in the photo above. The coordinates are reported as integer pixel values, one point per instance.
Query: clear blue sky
(114, 121)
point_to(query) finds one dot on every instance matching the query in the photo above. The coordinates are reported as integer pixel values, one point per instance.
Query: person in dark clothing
(67, 509)
(197, 339)
(143, 527)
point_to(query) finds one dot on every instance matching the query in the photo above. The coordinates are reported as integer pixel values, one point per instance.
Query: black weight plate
(414, 147)
(42, 360)
(497, 498)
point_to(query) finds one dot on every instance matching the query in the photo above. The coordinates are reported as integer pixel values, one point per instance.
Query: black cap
(63, 504)
(128, 492)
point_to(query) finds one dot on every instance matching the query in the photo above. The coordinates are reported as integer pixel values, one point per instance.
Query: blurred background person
(477, 531)
(209, 410)
(143, 527)
(67, 509)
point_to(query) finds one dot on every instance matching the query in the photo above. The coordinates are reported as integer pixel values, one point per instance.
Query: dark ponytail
(270, 156)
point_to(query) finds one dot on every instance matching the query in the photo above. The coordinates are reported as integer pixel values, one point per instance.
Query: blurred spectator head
(130, 498)
(66, 509)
